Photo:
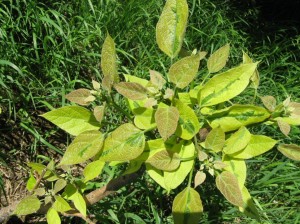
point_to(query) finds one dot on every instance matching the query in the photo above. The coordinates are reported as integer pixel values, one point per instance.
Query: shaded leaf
(291, 151)
(52, 216)
(166, 118)
(237, 141)
(84, 146)
(79, 202)
(40, 191)
(164, 160)
(237, 167)
(199, 178)
(131, 90)
(79, 96)
(218, 59)
(184, 71)
(73, 119)
(215, 139)
(187, 207)
(249, 207)
(92, 170)
(171, 27)
(157, 79)
(228, 185)
(61, 205)
(99, 112)
(28, 205)
(59, 185)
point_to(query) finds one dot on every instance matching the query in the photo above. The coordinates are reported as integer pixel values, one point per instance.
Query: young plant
(176, 126)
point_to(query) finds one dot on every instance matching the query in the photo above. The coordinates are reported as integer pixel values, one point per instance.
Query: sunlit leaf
(52, 216)
(164, 160)
(59, 185)
(92, 170)
(269, 102)
(284, 127)
(30, 182)
(171, 27)
(144, 118)
(237, 167)
(79, 202)
(73, 119)
(157, 79)
(99, 112)
(218, 59)
(237, 141)
(28, 205)
(249, 208)
(61, 205)
(290, 150)
(255, 77)
(215, 139)
(79, 96)
(131, 90)
(169, 93)
(199, 178)
(187, 207)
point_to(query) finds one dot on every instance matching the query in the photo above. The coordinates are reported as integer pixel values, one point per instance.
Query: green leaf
(228, 185)
(79, 96)
(84, 146)
(257, 145)
(61, 205)
(249, 208)
(59, 185)
(73, 119)
(133, 167)
(218, 59)
(237, 141)
(185, 98)
(92, 170)
(157, 175)
(125, 143)
(28, 205)
(157, 79)
(109, 59)
(144, 118)
(171, 26)
(289, 120)
(290, 150)
(52, 217)
(184, 71)
(188, 122)
(224, 86)
(255, 77)
(238, 168)
(215, 139)
(174, 178)
(187, 207)
(236, 116)
(79, 202)
(31, 182)
(131, 90)
(164, 160)
(166, 118)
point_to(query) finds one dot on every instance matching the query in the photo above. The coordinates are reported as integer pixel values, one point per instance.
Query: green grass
(50, 48)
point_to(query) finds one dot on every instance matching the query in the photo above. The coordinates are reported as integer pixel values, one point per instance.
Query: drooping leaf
(144, 118)
(61, 205)
(236, 116)
(171, 27)
(28, 205)
(99, 112)
(237, 141)
(224, 86)
(164, 160)
(131, 90)
(157, 79)
(249, 207)
(238, 168)
(218, 59)
(174, 178)
(257, 145)
(284, 127)
(92, 170)
(291, 151)
(166, 118)
(184, 71)
(125, 143)
(79, 96)
(53, 217)
(255, 77)
(269, 102)
(73, 119)
(109, 59)
(84, 146)
(187, 207)
(199, 178)
(215, 139)
(59, 185)
(228, 185)
(188, 122)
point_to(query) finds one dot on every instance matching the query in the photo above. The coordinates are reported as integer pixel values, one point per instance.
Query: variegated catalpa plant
(179, 127)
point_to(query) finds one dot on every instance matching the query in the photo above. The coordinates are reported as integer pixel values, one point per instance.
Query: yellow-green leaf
(30, 182)
(238, 168)
(157, 175)
(166, 118)
(28, 205)
(184, 71)
(171, 27)
(59, 185)
(164, 160)
(284, 127)
(84, 146)
(125, 143)
(131, 90)
(92, 170)
(109, 59)
(79, 202)
(79, 96)
(257, 145)
(228, 185)
(157, 79)
(73, 119)
(215, 139)
(187, 207)
(144, 118)
(255, 77)
(224, 86)
(188, 121)
(291, 151)
(61, 205)
(218, 59)
(52, 216)
(249, 208)
(237, 141)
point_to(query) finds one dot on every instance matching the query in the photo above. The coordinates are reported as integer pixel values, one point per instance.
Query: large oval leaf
(218, 59)
(184, 71)
(61, 205)
(164, 160)
(237, 141)
(290, 150)
(131, 90)
(73, 119)
(125, 143)
(187, 207)
(92, 170)
(144, 118)
(28, 205)
(84, 146)
(215, 139)
(166, 118)
(226, 85)
(171, 27)
(238, 168)
(80, 96)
